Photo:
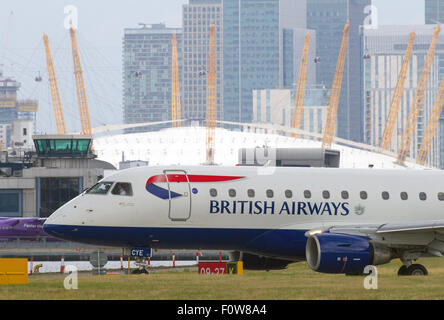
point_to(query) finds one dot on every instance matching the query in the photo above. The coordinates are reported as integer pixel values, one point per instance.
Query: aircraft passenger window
(385, 195)
(422, 196)
(307, 194)
(344, 194)
(232, 193)
(250, 193)
(213, 192)
(363, 195)
(100, 188)
(122, 189)
(441, 196)
(326, 194)
(270, 193)
(404, 196)
(288, 194)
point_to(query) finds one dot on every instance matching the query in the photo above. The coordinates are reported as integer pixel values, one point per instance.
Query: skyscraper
(385, 47)
(262, 42)
(147, 54)
(197, 17)
(434, 13)
(327, 18)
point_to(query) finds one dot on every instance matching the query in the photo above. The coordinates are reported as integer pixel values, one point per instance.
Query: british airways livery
(338, 220)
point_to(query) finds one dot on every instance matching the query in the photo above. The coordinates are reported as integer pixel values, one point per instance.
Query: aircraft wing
(427, 236)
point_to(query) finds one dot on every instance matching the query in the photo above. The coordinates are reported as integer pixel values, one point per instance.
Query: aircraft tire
(417, 270)
(402, 271)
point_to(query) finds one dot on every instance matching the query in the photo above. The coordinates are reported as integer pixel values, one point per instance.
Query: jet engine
(343, 253)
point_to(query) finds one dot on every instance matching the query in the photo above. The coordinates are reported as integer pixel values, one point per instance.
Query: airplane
(30, 229)
(338, 220)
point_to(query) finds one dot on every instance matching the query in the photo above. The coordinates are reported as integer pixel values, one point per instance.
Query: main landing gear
(411, 269)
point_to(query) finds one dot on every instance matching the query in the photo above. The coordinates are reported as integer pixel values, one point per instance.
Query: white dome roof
(186, 146)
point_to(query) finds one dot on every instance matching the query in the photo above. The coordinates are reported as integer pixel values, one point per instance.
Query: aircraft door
(179, 195)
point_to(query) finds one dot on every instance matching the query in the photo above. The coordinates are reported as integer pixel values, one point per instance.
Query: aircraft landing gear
(413, 270)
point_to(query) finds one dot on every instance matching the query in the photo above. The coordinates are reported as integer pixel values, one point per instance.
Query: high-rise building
(328, 18)
(197, 17)
(276, 106)
(434, 13)
(385, 48)
(262, 42)
(12, 109)
(147, 54)
(258, 46)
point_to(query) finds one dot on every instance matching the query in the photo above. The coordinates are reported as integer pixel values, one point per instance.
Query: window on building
(11, 203)
(122, 189)
(55, 192)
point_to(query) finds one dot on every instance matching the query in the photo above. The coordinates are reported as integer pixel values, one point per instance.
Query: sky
(100, 32)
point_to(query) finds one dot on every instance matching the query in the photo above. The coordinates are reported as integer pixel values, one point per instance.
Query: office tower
(385, 48)
(328, 18)
(147, 74)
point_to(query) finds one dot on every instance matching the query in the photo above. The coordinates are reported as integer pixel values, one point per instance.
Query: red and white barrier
(121, 262)
(62, 265)
(31, 265)
(174, 260)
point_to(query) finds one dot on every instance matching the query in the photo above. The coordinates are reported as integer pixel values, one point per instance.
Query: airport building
(36, 184)
(276, 106)
(384, 49)
(328, 19)
(147, 54)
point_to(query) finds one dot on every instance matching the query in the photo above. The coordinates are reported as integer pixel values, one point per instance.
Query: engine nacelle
(343, 253)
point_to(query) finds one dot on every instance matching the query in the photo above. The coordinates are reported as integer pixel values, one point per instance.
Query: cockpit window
(123, 189)
(100, 188)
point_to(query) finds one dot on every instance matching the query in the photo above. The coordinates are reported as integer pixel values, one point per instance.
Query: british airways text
(271, 207)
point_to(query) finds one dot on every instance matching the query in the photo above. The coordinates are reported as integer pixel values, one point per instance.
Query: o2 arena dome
(187, 146)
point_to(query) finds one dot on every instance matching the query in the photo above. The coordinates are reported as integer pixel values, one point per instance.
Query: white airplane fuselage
(260, 210)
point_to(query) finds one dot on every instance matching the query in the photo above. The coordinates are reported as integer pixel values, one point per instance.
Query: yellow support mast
(211, 98)
(80, 85)
(299, 97)
(396, 100)
(175, 87)
(417, 102)
(55, 93)
(329, 129)
(431, 125)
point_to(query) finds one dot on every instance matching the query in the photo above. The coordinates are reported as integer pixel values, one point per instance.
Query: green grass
(296, 282)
